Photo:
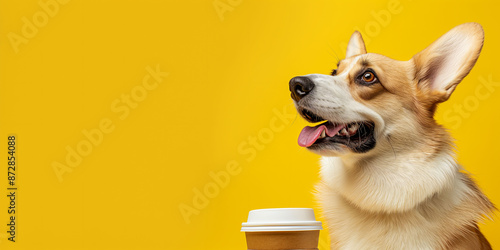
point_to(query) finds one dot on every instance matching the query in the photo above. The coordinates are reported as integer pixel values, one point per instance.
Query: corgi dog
(389, 178)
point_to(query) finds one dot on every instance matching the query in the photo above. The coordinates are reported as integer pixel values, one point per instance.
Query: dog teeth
(343, 132)
(353, 128)
(348, 130)
(323, 134)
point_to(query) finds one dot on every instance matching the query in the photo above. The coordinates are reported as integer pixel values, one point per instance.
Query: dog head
(372, 104)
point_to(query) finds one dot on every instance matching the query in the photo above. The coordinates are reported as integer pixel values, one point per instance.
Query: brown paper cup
(300, 240)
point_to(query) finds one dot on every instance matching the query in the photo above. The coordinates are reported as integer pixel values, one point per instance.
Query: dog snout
(300, 86)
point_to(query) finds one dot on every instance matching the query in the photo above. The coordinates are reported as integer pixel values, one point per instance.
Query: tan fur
(408, 192)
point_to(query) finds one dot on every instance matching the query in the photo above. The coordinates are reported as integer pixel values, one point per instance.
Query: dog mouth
(358, 135)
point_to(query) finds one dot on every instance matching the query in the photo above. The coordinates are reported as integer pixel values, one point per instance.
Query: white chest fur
(401, 205)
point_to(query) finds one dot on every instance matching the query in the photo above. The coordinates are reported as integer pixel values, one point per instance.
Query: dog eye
(368, 77)
(334, 72)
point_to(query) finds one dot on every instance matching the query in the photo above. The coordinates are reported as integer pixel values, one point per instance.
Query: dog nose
(300, 86)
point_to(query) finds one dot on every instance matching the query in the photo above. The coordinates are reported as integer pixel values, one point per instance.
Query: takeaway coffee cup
(282, 228)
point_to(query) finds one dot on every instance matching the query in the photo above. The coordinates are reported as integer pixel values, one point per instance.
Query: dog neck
(391, 180)
(410, 200)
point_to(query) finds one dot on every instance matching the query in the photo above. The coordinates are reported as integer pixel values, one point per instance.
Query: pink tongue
(309, 135)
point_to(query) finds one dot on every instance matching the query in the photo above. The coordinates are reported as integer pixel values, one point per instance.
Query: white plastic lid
(281, 219)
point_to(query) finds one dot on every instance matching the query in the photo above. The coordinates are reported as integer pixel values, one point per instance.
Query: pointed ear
(356, 45)
(441, 66)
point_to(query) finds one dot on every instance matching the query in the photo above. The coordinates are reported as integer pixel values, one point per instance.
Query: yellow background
(228, 79)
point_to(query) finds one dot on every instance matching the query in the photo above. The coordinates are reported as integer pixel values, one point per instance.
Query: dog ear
(356, 45)
(442, 65)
